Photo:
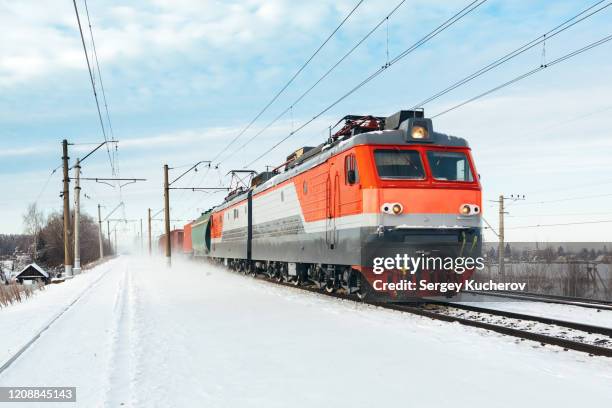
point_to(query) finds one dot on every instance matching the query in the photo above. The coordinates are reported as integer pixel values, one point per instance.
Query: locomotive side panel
(229, 228)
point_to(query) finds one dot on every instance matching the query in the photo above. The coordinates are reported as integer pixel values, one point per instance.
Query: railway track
(594, 340)
(536, 297)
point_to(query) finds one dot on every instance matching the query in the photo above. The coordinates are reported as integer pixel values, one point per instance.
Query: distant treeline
(45, 243)
(549, 253)
(9, 243)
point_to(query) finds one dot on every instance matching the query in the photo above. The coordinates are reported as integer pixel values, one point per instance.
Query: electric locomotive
(378, 186)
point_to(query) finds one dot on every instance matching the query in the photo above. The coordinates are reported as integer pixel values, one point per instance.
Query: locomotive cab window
(449, 166)
(399, 164)
(351, 175)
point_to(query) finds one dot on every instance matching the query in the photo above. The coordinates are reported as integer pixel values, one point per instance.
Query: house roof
(36, 267)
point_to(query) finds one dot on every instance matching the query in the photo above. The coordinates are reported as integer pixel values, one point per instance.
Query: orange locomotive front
(332, 215)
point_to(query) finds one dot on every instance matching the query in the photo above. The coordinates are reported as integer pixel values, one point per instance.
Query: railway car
(380, 185)
(176, 241)
(200, 235)
(187, 245)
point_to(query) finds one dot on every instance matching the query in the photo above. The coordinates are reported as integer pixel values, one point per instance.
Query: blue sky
(184, 77)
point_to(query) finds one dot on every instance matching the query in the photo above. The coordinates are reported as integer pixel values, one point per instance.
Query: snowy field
(197, 335)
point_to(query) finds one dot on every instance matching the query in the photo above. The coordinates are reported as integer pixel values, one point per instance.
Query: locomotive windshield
(449, 166)
(399, 164)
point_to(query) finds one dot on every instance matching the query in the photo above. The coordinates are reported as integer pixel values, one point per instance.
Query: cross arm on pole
(188, 170)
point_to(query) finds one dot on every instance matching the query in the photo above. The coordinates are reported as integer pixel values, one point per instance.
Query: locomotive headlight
(392, 208)
(469, 209)
(419, 132)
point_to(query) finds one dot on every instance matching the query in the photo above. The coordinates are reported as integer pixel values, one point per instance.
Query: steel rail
(606, 331)
(536, 297)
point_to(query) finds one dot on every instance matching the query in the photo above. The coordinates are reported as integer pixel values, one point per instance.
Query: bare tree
(52, 240)
(33, 220)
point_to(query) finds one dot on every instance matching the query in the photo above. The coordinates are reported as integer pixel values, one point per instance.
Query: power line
(566, 199)
(115, 153)
(561, 224)
(528, 74)
(42, 190)
(95, 53)
(314, 85)
(288, 82)
(559, 215)
(567, 24)
(93, 85)
(456, 17)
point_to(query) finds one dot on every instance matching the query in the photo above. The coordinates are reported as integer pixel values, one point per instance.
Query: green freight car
(200, 235)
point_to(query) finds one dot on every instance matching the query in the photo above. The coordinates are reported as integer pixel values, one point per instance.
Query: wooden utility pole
(100, 232)
(66, 196)
(149, 216)
(110, 243)
(167, 216)
(77, 210)
(141, 238)
(501, 249)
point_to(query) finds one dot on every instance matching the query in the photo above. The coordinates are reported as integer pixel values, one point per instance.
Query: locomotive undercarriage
(389, 242)
(330, 278)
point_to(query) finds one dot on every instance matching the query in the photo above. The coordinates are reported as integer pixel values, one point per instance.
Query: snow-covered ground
(568, 313)
(197, 335)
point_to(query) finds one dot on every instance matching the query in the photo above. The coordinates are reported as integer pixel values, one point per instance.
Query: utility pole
(149, 215)
(141, 238)
(77, 209)
(167, 189)
(501, 249)
(100, 232)
(65, 194)
(116, 247)
(110, 243)
(167, 216)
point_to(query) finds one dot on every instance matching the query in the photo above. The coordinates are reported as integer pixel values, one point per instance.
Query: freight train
(380, 185)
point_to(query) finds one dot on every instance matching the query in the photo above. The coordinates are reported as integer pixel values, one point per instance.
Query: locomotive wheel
(362, 293)
(297, 280)
(363, 288)
(348, 278)
(319, 277)
(251, 270)
(281, 273)
(270, 271)
(330, 285)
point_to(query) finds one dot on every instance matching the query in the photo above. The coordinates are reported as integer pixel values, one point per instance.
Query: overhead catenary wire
(585, 197)
(318, 81)
(561, 224)
(93, 85)
(527, 74)
(560, 28)
(452, 20)
(280, 92)
(44, 188)
(559, 214)
(93, 66)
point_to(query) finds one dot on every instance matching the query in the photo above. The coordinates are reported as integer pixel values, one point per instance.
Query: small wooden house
(32, 272)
